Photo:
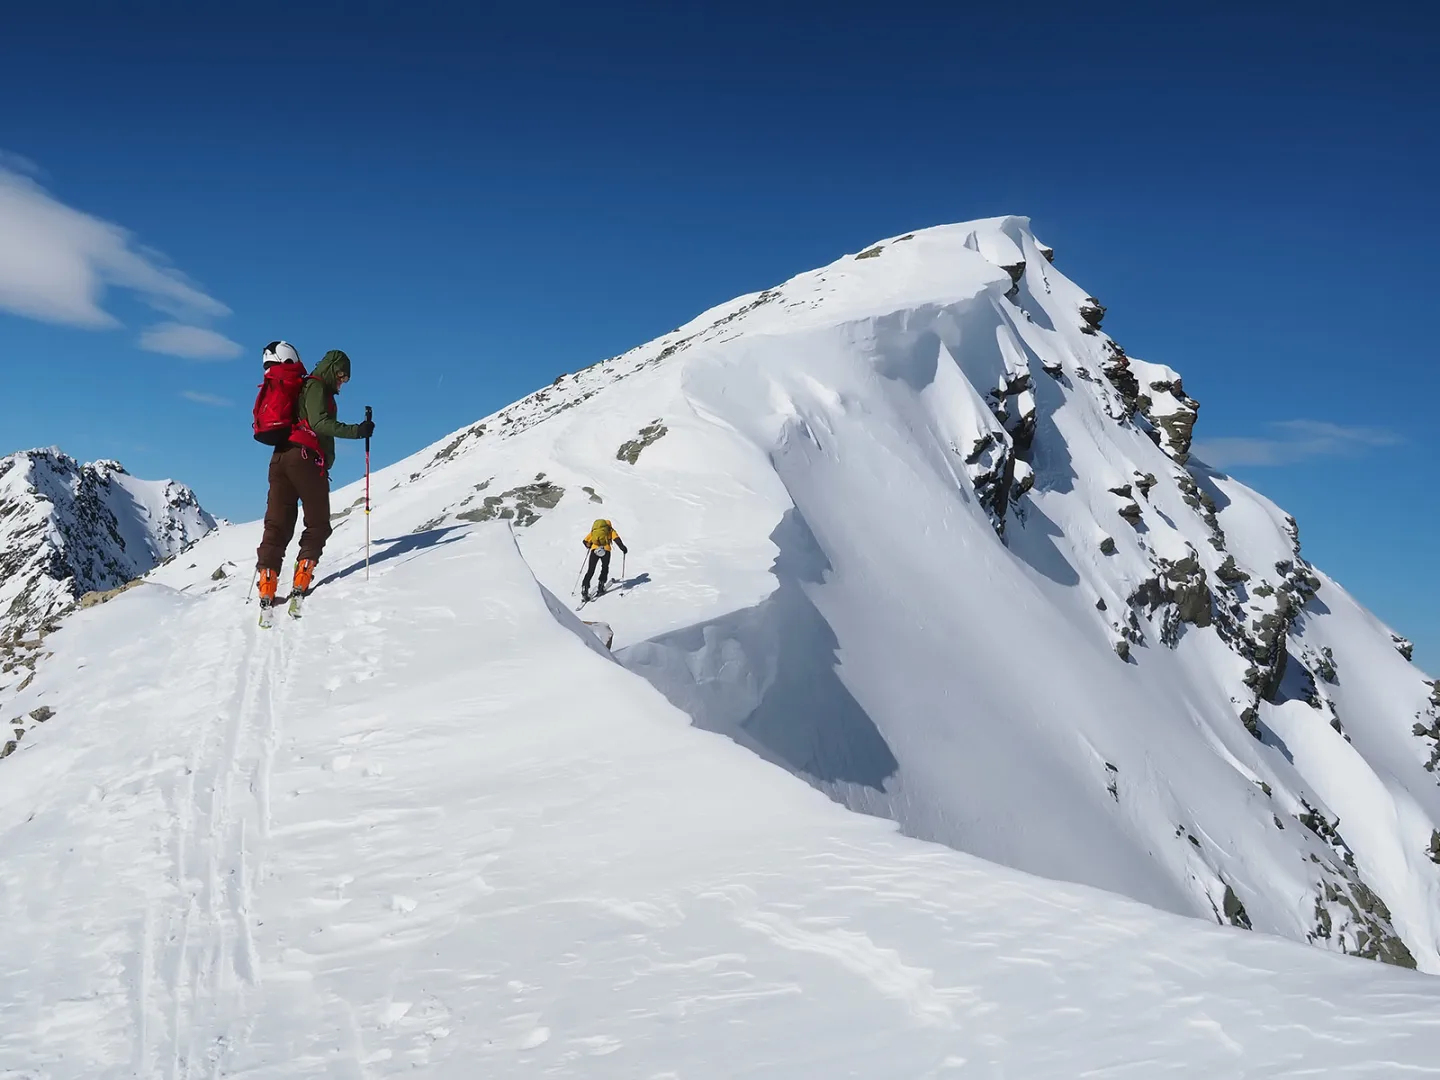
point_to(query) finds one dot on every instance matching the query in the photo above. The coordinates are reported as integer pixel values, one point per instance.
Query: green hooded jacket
(317, 404)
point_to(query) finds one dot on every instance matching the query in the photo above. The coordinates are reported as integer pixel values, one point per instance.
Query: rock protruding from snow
(68, 529)
(1157, 394)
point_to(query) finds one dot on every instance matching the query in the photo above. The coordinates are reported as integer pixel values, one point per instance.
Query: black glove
(366, 428)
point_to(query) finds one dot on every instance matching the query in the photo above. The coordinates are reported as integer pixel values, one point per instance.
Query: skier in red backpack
(295, 413)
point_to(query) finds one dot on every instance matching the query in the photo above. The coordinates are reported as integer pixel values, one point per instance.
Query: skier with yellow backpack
(598, 540)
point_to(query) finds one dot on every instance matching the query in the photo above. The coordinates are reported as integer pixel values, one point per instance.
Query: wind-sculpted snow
(909, 527)
(1078, 646)
(433, 829)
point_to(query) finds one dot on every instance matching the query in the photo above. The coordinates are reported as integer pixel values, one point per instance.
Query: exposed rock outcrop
(647, 436)
(1092, 312)
(523, 505)
(1177, 595)
(1158, 395)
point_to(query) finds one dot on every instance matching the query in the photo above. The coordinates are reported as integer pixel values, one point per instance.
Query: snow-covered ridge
(895, 401)
(67, 529)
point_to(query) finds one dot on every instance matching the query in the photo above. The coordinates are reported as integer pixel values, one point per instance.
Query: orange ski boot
(300, 587)
(269, 582)
(304, 575)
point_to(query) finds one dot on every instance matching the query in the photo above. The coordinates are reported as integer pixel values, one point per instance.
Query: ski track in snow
(219, 811)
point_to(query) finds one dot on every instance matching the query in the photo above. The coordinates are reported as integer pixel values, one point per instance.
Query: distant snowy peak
(68, 528)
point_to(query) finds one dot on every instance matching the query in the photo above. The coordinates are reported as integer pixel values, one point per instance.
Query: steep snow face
(67, 529)
(914, 528)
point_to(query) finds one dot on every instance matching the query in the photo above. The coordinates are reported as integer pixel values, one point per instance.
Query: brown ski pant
(296, 477)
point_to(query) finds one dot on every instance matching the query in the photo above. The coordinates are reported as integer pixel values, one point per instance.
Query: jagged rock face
(1427, 729)
(1157, 394)
(1177, 595)
(1092, 313)
(67, 529)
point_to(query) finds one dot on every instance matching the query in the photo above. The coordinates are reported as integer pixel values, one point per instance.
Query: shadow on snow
(399, 545)
(765, 677)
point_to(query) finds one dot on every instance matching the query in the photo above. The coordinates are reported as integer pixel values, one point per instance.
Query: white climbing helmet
(279, 352)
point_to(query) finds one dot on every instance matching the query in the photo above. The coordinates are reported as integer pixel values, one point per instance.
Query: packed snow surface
(432, 828)
(909, 529)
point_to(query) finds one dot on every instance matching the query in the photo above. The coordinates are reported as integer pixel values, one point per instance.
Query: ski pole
(583, 561)
(367, 498)
(624, 555)
(253, 575)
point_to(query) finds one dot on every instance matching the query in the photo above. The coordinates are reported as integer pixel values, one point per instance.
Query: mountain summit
(919, 531)
(909, 528)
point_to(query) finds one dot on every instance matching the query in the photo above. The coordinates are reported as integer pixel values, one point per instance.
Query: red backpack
(277, 404)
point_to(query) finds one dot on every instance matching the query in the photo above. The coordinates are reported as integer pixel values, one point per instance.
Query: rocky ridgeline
(1254, 617)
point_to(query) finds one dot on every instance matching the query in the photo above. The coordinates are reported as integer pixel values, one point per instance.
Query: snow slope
(433, 829)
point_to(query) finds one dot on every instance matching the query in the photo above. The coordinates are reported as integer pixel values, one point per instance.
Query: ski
(597, 594)
(296, 602)
(267, 612)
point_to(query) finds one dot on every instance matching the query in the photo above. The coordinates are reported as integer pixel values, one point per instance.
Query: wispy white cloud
(201, 398)
(1292, 442)
(190, 342)
(56, 262)
(18, 163)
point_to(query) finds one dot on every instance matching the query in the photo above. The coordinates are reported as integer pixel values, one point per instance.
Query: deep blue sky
(470, 203)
